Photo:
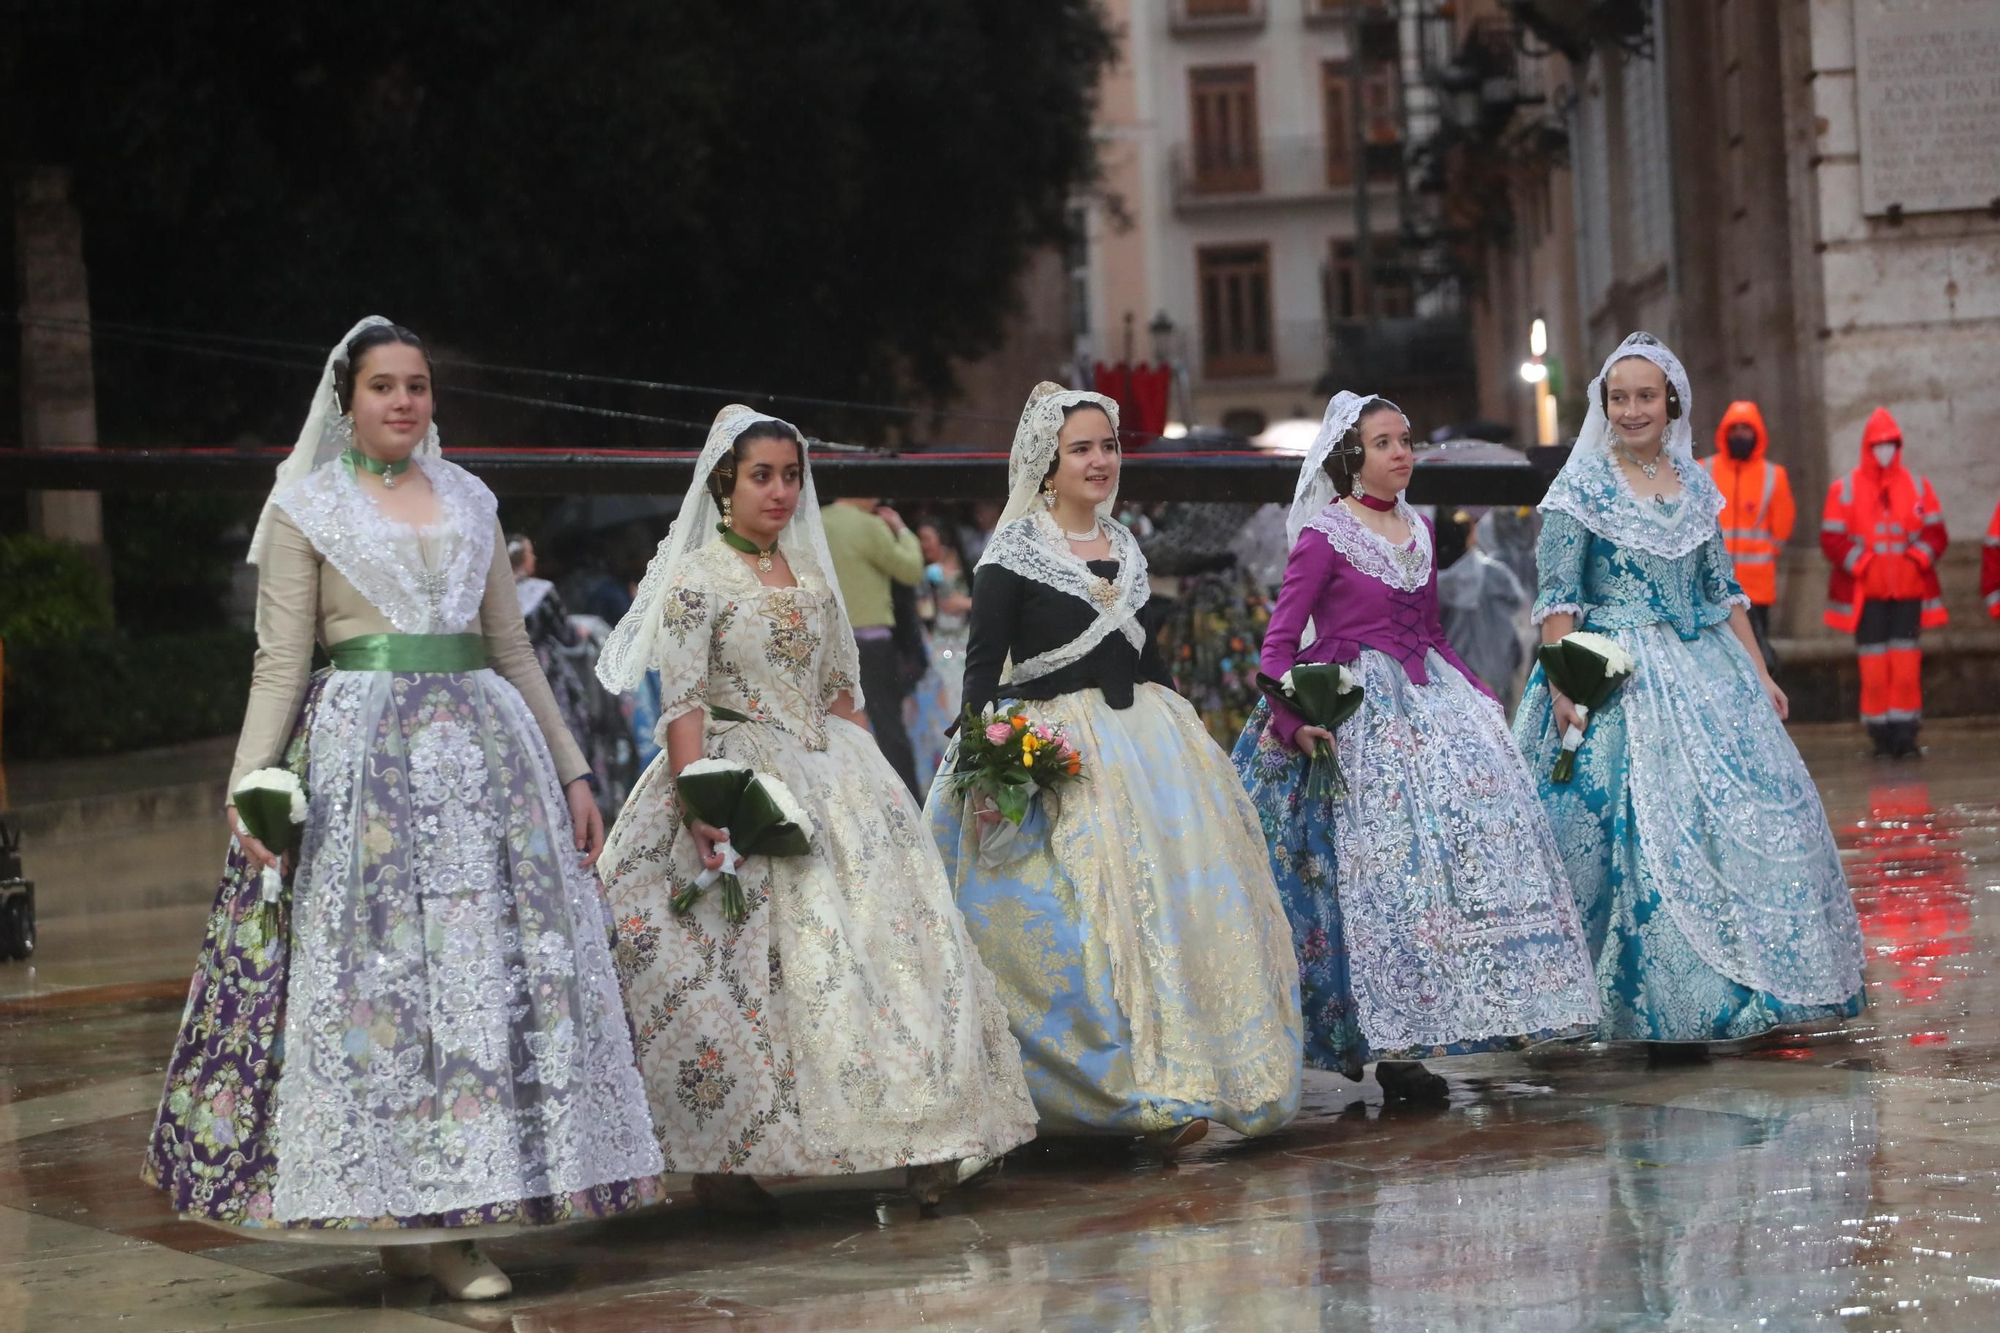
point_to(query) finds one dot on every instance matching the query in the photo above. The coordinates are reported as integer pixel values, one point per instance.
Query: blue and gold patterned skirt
(1140, 946)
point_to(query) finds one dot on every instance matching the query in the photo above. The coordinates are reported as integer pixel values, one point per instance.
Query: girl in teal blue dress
(1694, 838)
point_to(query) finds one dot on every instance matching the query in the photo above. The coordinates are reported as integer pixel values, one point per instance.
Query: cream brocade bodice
(730, 641)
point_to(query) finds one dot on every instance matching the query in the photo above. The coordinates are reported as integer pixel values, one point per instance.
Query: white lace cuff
(1559, 609)
(1736, 599)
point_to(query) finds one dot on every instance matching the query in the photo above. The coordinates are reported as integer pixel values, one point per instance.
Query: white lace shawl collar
(1035, 548)
(716, 568)
(1595, 492)
(1406, 567)
(382, 558)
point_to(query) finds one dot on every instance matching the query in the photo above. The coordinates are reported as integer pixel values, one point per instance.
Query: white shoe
(409, 1261)
(466, 1274)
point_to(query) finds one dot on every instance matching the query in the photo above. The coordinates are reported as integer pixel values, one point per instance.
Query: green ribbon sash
(407, 653)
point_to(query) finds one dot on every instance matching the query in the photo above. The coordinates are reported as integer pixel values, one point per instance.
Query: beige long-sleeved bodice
(325, 538)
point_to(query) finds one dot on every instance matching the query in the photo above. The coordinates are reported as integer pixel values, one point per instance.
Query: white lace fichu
(1314, 491)
(384, 560)
(322, 438)
(1406, 567)
(635, 646)
(1592, 487)
(1030, 543)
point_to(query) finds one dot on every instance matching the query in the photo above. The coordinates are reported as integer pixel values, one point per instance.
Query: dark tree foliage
(831, 197)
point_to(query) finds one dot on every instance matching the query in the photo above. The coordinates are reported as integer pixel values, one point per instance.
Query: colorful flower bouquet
(1009, 762)
(1325, 694)
(758, 815)
(1588, 668)
(271, 806)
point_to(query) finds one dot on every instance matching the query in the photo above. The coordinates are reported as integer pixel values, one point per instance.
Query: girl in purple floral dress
(424, 1041)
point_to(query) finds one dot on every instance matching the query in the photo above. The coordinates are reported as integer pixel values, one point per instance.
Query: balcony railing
(1276, 170)
(1188, 18)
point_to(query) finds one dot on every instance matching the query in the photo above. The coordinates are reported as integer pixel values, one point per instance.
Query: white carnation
(1349, 682)
(1616, 660)
(788, 804)
(701, 766)
(1285, 683)
(278, 780)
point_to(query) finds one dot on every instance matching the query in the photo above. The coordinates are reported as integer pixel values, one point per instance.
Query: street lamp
(1536, 372)
(1166, 348)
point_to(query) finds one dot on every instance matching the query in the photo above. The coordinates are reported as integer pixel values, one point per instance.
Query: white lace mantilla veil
(1314, 491)
(633, 648)
(1591, 488)
(1027, 541)
(321, 438)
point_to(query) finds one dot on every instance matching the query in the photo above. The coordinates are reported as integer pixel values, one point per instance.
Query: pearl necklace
(1651, 469)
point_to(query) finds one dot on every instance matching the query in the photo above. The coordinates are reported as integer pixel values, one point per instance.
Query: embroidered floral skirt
(1698, 850)
(1428, 904)
(848, 1025)
(1140, 948)
(432, 1035)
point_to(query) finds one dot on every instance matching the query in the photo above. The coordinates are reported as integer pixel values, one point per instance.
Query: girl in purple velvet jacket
(1428, 903)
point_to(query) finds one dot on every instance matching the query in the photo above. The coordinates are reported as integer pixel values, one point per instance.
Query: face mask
(1740, 449)
(1885, 454)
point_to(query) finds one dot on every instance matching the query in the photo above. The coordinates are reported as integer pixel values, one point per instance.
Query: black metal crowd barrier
(1439, 478)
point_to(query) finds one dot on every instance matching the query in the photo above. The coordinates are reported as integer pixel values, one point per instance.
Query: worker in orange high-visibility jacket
(1757, 514)
(1884, 533)
(1989, 566)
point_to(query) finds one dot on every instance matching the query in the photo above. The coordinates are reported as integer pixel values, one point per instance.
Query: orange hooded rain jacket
(1758, 512)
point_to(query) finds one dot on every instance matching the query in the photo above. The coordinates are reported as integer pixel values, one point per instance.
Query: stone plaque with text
(1928, 82)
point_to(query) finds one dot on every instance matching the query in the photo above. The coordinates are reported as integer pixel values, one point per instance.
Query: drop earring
(725, 512)
(1048, 496)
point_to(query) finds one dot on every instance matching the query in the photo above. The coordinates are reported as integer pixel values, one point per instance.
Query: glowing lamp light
(1534, 372)
(1174, 430)
(1538, 339)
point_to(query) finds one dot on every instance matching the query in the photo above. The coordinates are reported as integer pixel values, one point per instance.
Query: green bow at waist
(407, 653)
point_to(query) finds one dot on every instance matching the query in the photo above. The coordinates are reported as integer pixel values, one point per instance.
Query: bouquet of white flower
(1588, 668)
(1325, 694)
(271, 806)
(758, 816)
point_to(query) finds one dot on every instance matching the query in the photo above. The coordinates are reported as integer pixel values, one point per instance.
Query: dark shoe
(1884, 740)
(1677, 1053)
(1409, 1081)
(1171, 1141)
(736, 1196)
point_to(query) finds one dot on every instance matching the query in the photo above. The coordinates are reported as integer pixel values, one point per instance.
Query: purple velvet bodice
(1352, 607)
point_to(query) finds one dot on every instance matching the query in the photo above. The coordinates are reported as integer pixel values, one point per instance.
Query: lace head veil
(324, 435)
(1315, 490)
(1035, 447)
(632, 650)
(1027, 541)
(1591, 488)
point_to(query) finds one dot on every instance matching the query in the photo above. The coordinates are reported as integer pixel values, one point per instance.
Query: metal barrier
(952, 477)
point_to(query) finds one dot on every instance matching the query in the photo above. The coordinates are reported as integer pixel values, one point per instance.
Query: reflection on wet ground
(1849, 1179)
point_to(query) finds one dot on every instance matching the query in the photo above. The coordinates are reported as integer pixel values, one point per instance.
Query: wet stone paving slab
(1847, 1180)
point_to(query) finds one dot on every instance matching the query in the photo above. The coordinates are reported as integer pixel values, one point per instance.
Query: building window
(1394, 296)
(1236, 310)
(1076, 260)
(1381, 129)
(1222, 103)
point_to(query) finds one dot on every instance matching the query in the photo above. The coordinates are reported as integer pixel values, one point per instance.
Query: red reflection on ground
(1909, 888)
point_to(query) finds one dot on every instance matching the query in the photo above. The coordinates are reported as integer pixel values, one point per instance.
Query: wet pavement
(1846, 1181)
